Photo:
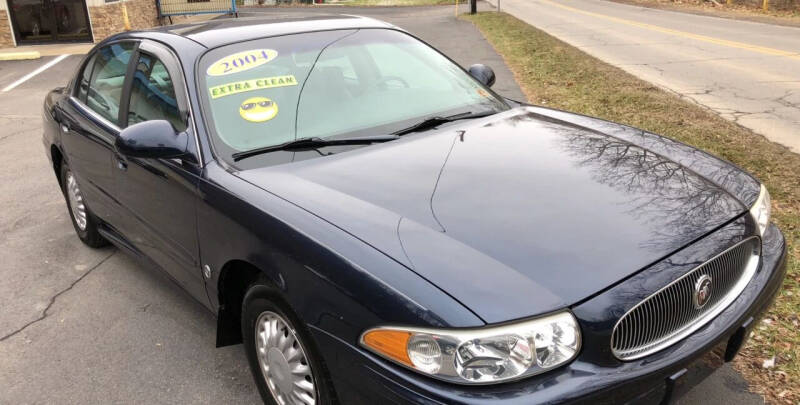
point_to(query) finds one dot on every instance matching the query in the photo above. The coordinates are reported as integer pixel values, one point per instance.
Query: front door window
(153, 94)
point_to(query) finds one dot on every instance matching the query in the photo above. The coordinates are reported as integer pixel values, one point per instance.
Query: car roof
(218, 32)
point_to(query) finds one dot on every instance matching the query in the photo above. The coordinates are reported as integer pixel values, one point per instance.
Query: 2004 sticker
(241, 61)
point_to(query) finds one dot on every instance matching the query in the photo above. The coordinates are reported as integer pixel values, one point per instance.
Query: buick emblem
(702, 291)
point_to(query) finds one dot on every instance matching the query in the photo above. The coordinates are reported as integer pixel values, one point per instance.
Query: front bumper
(360, 377)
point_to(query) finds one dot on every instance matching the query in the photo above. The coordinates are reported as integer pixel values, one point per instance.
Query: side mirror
(483, 73)
(152, 140)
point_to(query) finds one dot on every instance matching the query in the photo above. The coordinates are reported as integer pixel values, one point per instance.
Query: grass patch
(401, 2)
(555, 74)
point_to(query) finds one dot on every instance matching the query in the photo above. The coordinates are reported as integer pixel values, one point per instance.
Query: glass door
(43, 21)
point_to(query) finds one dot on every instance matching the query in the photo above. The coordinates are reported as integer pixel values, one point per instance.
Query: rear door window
(83, 80)
(107, 80)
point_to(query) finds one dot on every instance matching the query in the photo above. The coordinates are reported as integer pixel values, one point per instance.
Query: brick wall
(107, 19)
(6, 40)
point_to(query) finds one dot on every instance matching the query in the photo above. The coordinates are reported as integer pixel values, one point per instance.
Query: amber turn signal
(390, 343)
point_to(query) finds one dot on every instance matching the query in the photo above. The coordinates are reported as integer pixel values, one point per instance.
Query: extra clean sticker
(228, 89)
(241, 61)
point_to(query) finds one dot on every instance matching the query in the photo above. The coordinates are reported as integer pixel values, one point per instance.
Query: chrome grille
(670, 314)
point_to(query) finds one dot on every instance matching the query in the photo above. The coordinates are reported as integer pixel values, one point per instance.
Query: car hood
(512, 215)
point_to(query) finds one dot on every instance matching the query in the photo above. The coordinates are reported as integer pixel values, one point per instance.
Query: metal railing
(169, 8)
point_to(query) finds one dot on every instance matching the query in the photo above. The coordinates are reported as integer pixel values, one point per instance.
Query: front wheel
(282, 356)
(84, 222)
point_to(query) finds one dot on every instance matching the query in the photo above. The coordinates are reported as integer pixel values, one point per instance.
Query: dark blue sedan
(376, 225)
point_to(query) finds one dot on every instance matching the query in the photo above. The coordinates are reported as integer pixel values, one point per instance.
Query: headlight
(761, 210)
(480, 355)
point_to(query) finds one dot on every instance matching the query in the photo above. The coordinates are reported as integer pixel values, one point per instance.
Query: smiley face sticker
(258, 109)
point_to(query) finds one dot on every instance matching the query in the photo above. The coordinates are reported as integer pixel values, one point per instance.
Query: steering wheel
(385, 79)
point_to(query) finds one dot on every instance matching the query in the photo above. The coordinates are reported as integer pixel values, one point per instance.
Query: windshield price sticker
(252, 84)
(241, 61)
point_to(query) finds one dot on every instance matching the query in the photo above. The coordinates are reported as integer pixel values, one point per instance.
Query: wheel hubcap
(283, 361)
(76, 202)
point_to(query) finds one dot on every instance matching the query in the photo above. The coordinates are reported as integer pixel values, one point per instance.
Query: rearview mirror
(483, 73)
(153, 140)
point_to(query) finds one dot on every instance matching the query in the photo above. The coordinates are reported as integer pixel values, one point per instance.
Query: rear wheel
(84, 222)
(282, 356)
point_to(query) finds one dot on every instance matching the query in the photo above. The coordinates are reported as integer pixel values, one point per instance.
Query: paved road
(747, 72)
(79, 325)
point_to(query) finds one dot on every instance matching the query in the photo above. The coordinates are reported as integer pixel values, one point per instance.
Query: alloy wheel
(76, 201)
(283, 361)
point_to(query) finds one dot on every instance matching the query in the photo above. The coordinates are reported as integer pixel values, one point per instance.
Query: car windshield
(330, 84)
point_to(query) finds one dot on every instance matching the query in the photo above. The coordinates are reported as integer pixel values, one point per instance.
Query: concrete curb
(20, 55)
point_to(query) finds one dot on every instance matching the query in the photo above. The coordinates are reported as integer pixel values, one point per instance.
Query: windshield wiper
(313, 143)
(435, 121)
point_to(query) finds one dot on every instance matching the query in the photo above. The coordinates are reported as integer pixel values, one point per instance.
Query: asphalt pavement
(747, 72)
(79, 325)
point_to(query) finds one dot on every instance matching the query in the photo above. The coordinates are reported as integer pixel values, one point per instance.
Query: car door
(158, 196)
(89, 121)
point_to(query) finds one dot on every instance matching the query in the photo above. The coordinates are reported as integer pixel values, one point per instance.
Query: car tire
(283, 344)
(84, 222)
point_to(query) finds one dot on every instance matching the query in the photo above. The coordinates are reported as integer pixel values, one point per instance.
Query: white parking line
(41, 69)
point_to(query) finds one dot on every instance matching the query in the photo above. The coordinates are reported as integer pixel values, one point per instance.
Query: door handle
(64, 128)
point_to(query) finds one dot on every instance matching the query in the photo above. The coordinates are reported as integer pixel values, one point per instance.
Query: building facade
(28, 22)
